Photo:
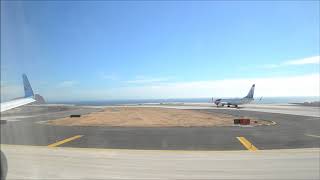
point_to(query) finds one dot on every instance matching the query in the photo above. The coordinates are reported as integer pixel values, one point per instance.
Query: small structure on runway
(242, 121)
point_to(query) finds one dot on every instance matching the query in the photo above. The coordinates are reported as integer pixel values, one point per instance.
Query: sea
(258, 100)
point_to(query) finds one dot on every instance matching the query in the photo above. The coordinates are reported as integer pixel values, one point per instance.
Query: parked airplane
(28, 96)
(236, 101)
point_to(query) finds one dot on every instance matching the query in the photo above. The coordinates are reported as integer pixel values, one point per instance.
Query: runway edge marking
(311, 135)
(247, 144)
(65, 141)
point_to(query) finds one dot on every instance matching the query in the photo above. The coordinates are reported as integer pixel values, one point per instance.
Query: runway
(291, 131)
(82, 163)
(291, 109)
(35, 150)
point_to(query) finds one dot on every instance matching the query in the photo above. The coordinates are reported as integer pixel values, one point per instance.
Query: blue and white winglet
(28, 96)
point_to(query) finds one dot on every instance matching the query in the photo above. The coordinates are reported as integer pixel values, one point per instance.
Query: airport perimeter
(290, 131)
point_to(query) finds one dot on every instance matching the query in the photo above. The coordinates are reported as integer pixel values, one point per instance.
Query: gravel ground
(150, 117)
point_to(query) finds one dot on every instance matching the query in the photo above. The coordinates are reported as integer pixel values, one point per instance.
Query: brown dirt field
(149, 117)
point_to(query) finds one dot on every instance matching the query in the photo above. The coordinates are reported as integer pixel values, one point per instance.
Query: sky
(100, 50)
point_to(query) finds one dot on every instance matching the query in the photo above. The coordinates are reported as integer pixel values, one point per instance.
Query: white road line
(311, 135)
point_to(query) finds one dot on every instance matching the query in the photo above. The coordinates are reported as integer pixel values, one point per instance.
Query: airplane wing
(28, 97)
(15, 103)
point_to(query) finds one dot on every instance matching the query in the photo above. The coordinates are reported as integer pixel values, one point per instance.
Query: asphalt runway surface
(291, 131)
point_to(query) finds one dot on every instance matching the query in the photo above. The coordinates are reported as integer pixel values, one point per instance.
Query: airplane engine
(217, 101)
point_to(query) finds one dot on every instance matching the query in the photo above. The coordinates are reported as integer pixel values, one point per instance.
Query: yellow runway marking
(64, 141)
(247, 144)
(311, 135)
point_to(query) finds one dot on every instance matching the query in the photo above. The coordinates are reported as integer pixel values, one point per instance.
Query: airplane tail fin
(251, 92)
(28, 92)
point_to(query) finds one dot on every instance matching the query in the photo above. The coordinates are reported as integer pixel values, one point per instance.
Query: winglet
(28, 92)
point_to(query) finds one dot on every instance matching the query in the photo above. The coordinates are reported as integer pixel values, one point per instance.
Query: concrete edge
(180, 151)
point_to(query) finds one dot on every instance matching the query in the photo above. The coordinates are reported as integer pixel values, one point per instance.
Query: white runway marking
(311, 135)
(14, 118)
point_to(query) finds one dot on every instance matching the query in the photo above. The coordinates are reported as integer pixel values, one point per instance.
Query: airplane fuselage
(233, 101)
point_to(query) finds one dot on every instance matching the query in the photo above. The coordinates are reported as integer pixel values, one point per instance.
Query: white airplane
(28, 97)
(236, 101)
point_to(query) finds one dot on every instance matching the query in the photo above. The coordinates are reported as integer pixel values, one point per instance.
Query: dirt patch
(150, 117)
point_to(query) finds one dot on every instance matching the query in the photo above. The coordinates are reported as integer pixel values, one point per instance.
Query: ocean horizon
(264, 100)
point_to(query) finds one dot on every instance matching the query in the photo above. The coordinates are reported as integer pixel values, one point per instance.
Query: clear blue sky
(79, 47)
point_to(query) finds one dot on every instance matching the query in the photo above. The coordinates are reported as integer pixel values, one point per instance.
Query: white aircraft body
(28, 97)
(236, 101)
